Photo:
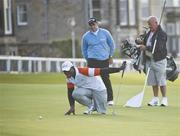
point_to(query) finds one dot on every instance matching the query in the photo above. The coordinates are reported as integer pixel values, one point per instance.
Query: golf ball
(40, 117)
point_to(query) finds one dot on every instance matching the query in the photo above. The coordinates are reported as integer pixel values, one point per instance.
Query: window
(178, 45)
(127, 12)
(170, 27)
(173, 3)
(174, 44)
(95, 9)
(123, 6)
(1, 18)
(176, 3)
(132, 13)
(178, 28)
(145, 9)
(7, 17)
(22, 14)
(169, 3)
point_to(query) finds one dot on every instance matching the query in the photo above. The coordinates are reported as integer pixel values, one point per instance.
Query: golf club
(117, 97)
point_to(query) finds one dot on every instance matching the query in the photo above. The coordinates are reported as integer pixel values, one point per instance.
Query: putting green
(25, 97)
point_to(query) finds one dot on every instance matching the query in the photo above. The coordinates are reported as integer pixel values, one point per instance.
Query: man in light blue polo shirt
(97, 48)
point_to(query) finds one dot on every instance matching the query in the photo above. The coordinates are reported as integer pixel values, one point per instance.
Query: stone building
(30, 27)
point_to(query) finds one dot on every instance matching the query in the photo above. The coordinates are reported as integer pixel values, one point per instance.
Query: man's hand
(71, 110)
(142, 47)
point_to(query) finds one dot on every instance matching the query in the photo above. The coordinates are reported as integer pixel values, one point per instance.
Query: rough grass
(25, 97)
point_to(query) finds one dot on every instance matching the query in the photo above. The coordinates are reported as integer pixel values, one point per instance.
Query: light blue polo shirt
(98, 46)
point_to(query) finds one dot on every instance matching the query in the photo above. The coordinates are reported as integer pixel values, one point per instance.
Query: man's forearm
(109, 70)
(70, 98)
(112, 70)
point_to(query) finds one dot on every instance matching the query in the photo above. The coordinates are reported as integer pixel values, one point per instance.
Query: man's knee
(76, 95)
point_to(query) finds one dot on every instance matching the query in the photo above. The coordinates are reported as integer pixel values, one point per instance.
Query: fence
(41, 64)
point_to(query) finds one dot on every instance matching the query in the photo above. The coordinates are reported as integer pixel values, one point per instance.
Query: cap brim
(92, 22)
(66, 69)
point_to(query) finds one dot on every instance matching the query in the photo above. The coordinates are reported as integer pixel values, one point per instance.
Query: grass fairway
(25, 97)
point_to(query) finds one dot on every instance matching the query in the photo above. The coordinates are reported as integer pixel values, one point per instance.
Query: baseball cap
(92, 20)
(66, 66)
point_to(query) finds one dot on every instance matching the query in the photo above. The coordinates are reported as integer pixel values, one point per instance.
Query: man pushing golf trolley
(150, 55)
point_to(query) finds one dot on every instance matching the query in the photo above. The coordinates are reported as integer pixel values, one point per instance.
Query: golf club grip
(124, 64)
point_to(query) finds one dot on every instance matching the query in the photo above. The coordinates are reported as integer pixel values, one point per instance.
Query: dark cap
(92, 20)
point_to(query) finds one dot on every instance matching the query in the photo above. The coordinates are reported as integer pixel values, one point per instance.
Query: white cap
(66, 66)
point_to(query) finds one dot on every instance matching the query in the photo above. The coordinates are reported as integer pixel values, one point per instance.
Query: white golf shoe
(110, 103)
(164, 102)
(90, 110)
(154, 102)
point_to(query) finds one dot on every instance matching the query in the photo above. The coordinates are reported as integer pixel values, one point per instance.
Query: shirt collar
(96, 32)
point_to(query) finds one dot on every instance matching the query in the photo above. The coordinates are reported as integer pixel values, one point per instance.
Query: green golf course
(34, 105)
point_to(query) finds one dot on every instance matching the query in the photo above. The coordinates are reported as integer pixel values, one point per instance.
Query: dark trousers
(93, 63)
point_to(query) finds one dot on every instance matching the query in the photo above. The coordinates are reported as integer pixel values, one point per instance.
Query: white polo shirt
(87, 78)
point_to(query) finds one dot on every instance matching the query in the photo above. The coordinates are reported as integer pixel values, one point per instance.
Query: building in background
(172, 24)
(28, 27)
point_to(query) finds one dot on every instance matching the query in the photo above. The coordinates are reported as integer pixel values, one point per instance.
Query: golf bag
(171, 69)
(132, 51)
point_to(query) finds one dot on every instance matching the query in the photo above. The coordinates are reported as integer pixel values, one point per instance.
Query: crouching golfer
(90, 89)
